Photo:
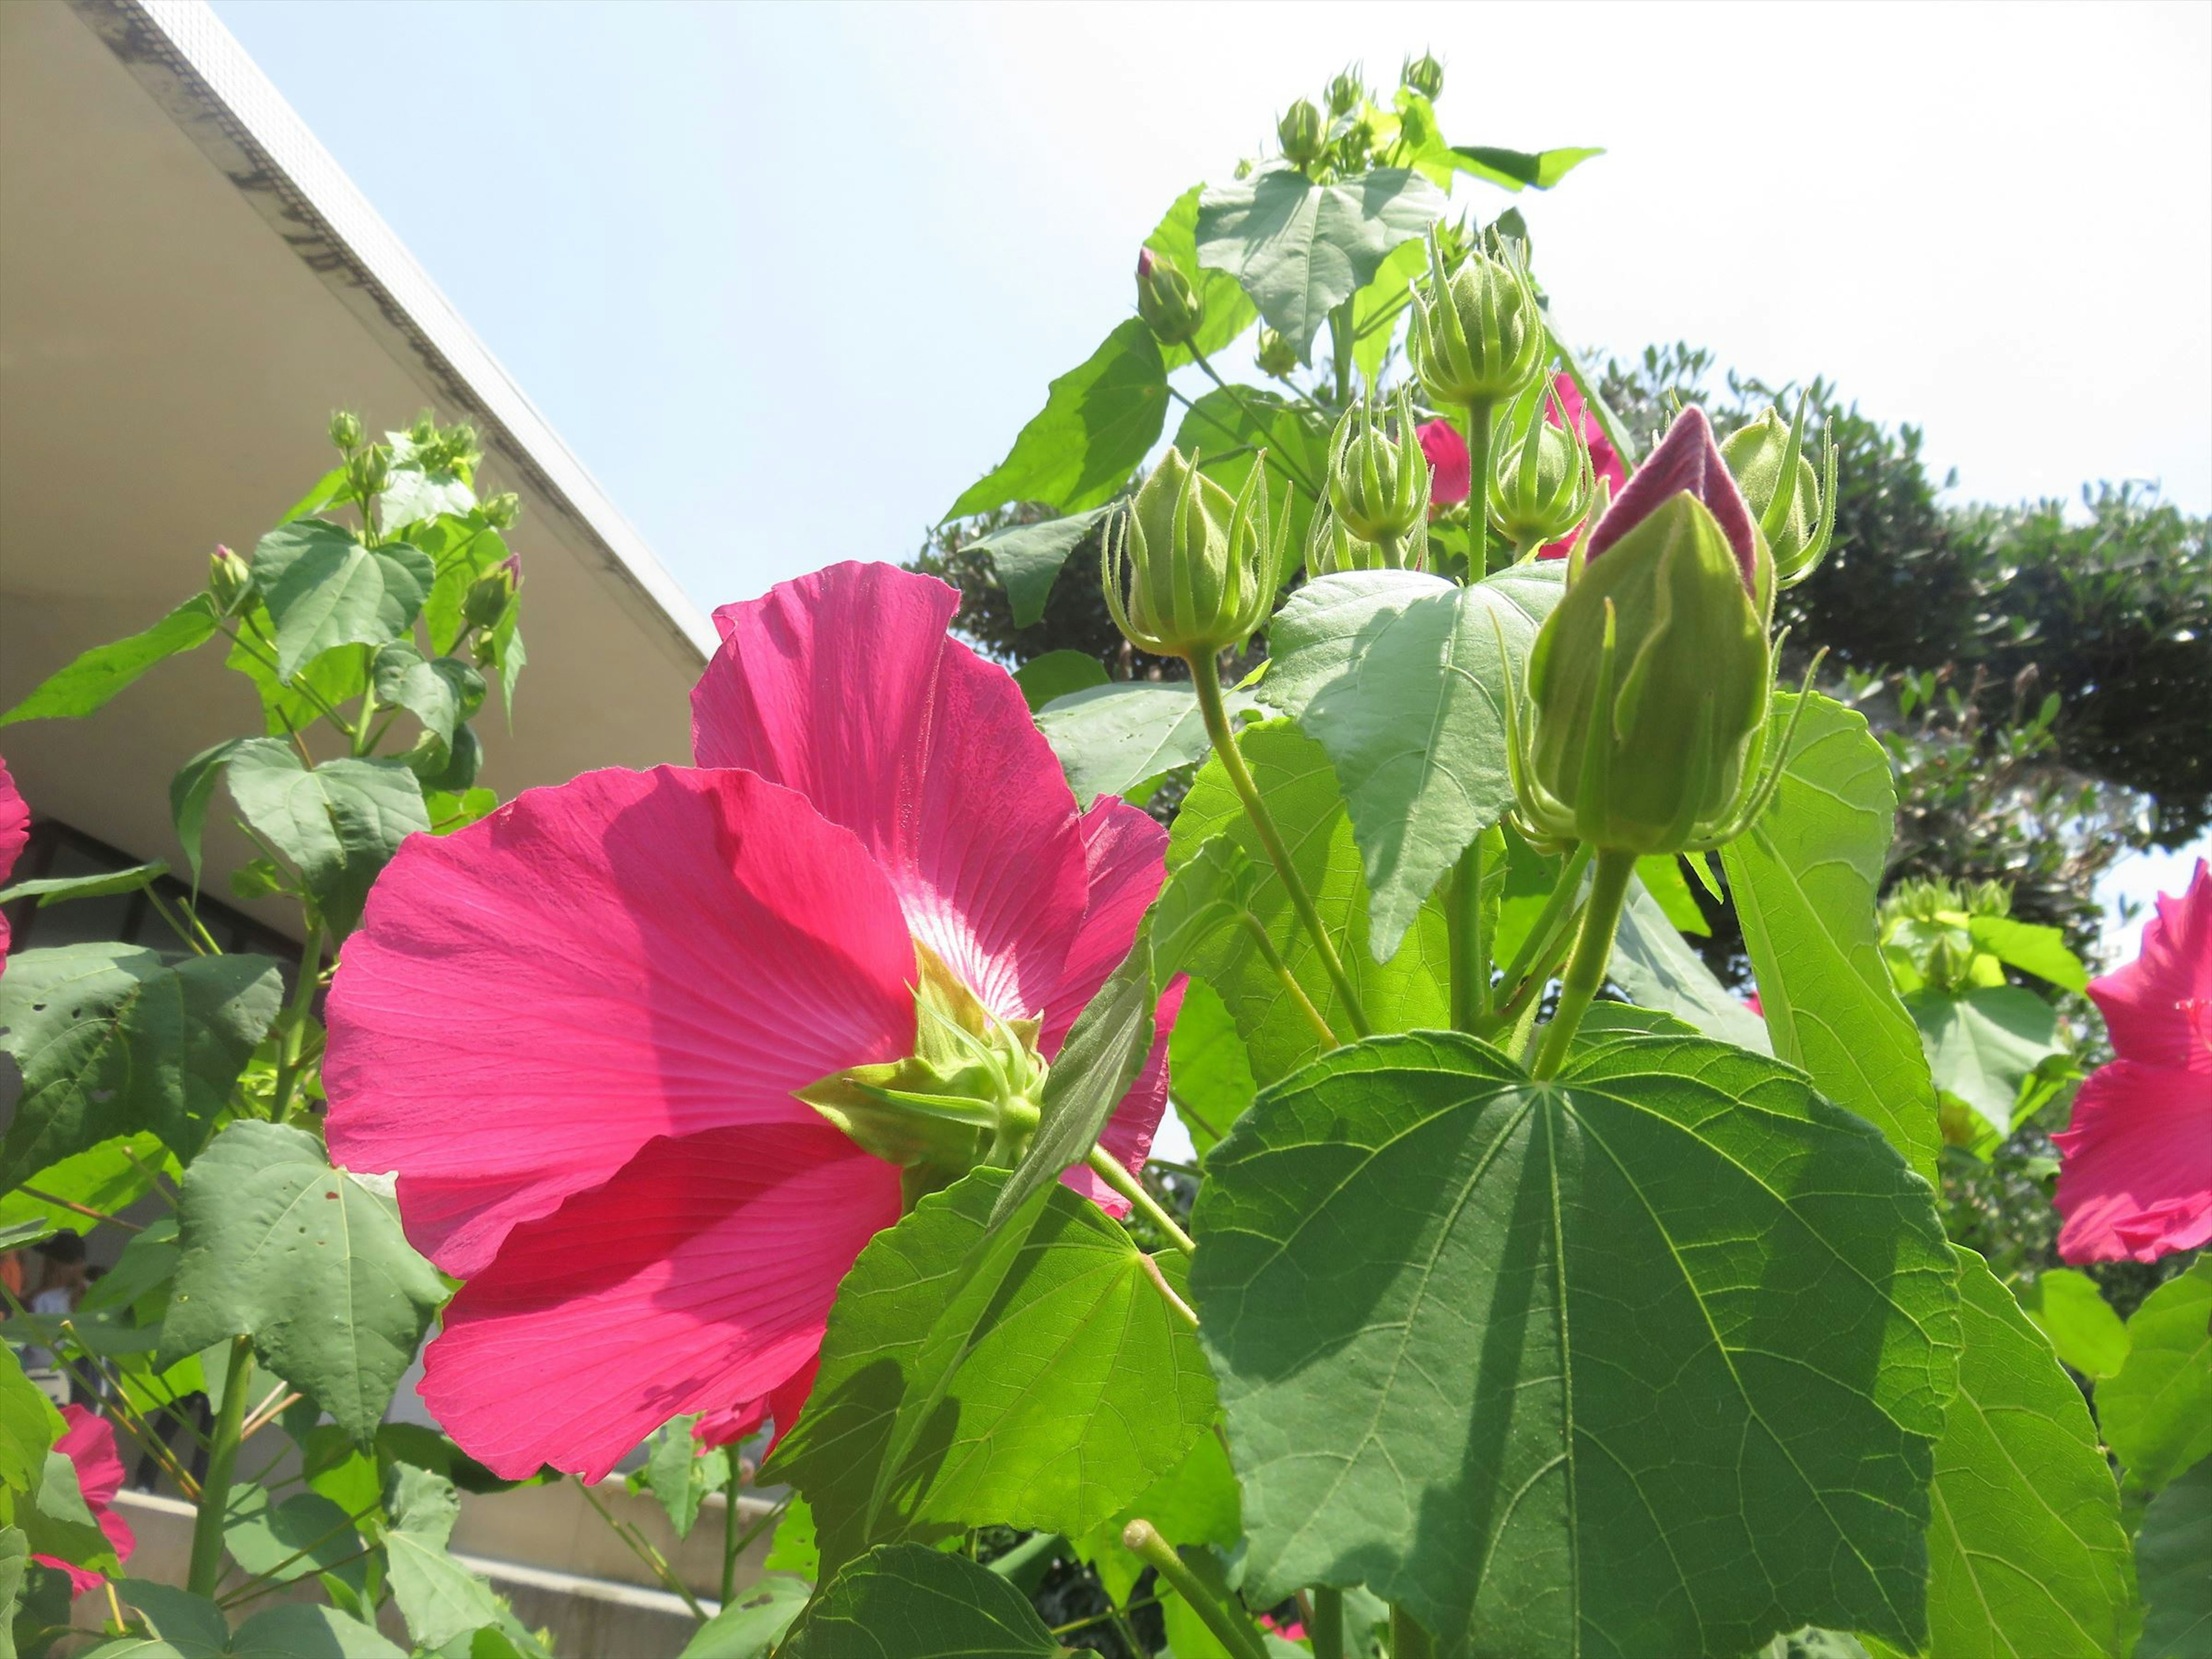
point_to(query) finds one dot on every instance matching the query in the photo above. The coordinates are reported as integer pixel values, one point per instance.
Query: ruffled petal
(2159, 1007)
(2135, 1176)
(844, 686)
(1125, 859)
(88, 1441)
(780, 1406)
(15, 830)
(633, 954)
(1128, 1134)
(699, 1277)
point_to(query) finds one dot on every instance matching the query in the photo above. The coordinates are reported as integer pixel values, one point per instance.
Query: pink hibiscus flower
(574, 1028)
(1450, 468)
(1603, 456)
(2134, 1179)
(88, 1443)
(15, 830)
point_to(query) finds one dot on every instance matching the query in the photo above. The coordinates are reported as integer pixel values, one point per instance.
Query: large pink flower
(573, 1029)
(1451, 471)
(15, 830)
(88, 1443)
(2134, 1181)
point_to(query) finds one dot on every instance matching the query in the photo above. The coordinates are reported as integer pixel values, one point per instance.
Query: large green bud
(1649, 681)
(1348, 91)
(1302, 133)
(1166, 300)
(1477, 337)
(1424, 75)
(1378, 484)
(1543, 483)
(1796, 506)
(1189, 570)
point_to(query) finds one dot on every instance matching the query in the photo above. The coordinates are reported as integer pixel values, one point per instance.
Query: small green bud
(1377, 484)
(1424, 75)
(1796, 506)
(1188, 570)
(229, 579)
(500, 511)
(1166, 300)
(345, 429)
(1348, 91)
(422, 431)
(1543, 482)
(1477, 337)
(370, 468)
(489, 595)
(1302, 133)
(1278, 356)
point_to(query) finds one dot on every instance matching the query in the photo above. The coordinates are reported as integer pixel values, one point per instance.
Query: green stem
(1111, 1169)
(1525, 549)
(223, 1462)
(1274, 959)
(1592, 949)
(1296, 474)
(1326, 1626)
(1207, 682)
(1407, 1639)
(295, 1019)
(1340, 345)
(1231, 1629)
(641, 1547)
(1478, 489)
(175, 926)
(307, 692)
(1470, 941)
(1394, 551)
(730, 1528)
(1043, 1545)
(363, 739)
(1534, 947)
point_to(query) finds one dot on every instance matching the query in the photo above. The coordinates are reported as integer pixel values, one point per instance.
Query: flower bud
(1477, 337)
(500, 511)
(345, 429)
(1543, 481)
(1188, 570)
(370, 468)
(1278, 356)
(489, 595)
(1348, 91)
(1379, 484)
(1166, 300)
(1795, 507)
(1424, 75)
(1302, 133)
(229, 579)
(1649, 680)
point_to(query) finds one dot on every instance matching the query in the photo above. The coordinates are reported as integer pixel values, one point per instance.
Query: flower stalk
(206, 1569)
(1233, 1631)
(1111, 1171)
(1593, 951)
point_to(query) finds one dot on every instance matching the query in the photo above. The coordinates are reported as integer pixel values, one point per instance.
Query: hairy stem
(1111, 1171)
(1592, 949)
(295, 1019)
(1230, 1627)
(223, 1462)
(1478, 489)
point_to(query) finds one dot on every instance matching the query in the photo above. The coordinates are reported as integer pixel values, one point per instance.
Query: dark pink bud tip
(1686, 459)
(1144, 262)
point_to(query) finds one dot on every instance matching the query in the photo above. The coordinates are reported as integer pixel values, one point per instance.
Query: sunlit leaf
(1098, 422)
(907, 1602)
(339, 822)
(2157, 1412)
(2171, 1551)
(2069, 1309)
(324, 589)
(1115, 738)
(1028, 557)
(95, 677)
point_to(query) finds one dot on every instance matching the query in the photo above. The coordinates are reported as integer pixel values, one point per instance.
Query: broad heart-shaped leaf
(1402, 679)
(1227, 313)
(1057, 674)
(2157, 1412)
(298, 1631)
(324, 589)
(441, 692)
(2032, 949)
(906, 1602)
(1113, 739)
(1211, 890)
(1226, 431)
(1209, 1073)
(1028, 557)
(307, 1533)
(2171, 1549)
(439, 1598)
(1653, 964)
(92, 678)
(1098, 422)
(308, 1261)
(191, 791)
(2025, 1550)
(1650, 1359)
(1805, 880)
(1294, 776)
(1034, 1377)
(2072, 1313)
(751, 1622)
(339, 822)
(1983, 1045)
(1300, 248)
(113, 1040)
(1376, 308)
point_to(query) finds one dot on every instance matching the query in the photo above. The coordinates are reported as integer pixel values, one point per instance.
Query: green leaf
(1300, 249)
(1034, 1377)
(1228, 314)
(1649, 1359)
(752, 1623)
(190, 1624)
(1653, 965)
(907, 1602)
(60, 890)
(323, 589)
(309, 1633)
(94, 678)
(448, 812)
(438, 1597)
(305, 1261)
(329, 681)
(266, 1538)
(1513, 169)
(1225, 430)
(1211, 890)
(792, 1547)
(1113, 739)
(1805, 880)
(1210, 1075)
(103, 1178)
(681, 1473)
(14, 1560)
(462, 549)
(191, 791)
(413, 495)
(2031, 949)
(1401, 678)
(1661, 876)
(1028, 557)
(339, 822)
(2069, 1309)
(2157, 1412)
(1057, 674)
(334, 487)
(28, 1425)
(440, 693)
(1983, 1045)
(1376, 308)
(2025, 1550)
(112, 1040)
(2171, 1549)
(1104, 1051)
(1098, 423)
(1293, 774)
(57, 1523)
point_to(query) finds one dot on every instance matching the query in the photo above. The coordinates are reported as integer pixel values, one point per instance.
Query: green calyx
(1543, 483)
(1379, 484)
(1794, 506)
(970, 1093)
(1476, 335)
(1649, 683)
(1188, 569)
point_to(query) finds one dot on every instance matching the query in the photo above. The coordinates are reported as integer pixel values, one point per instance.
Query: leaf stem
(1340, 346)
(1295, 474)
(161, 910)
(307, 691)
(1234, 1632)
(1111, 1171)
(1208, 681)
(76, 1208)
(1534, 946)
(1470, 941)
(1274, 959)
(1592, 949)
(730, 1525)
(223, 1462)
(1326, 1625)
(295, 1019)
(641, 1547)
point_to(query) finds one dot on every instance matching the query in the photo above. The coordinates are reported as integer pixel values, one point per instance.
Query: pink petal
(1685, 461)
(699, 1277)
(1128, 1134)
(1451, 472)
(1125, 857)
(88, 1443)
(781, 1404)
(15, 830)
(2159, 1007)
(2135, 1178)
(633, 954)
(1604, 457)
(844, 686)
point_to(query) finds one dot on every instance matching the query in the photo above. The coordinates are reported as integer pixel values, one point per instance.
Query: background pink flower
(88, 1443)
(1450, 470)
(2134, 1180)
(15, 830)
(1582, 421)
(632, 973)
